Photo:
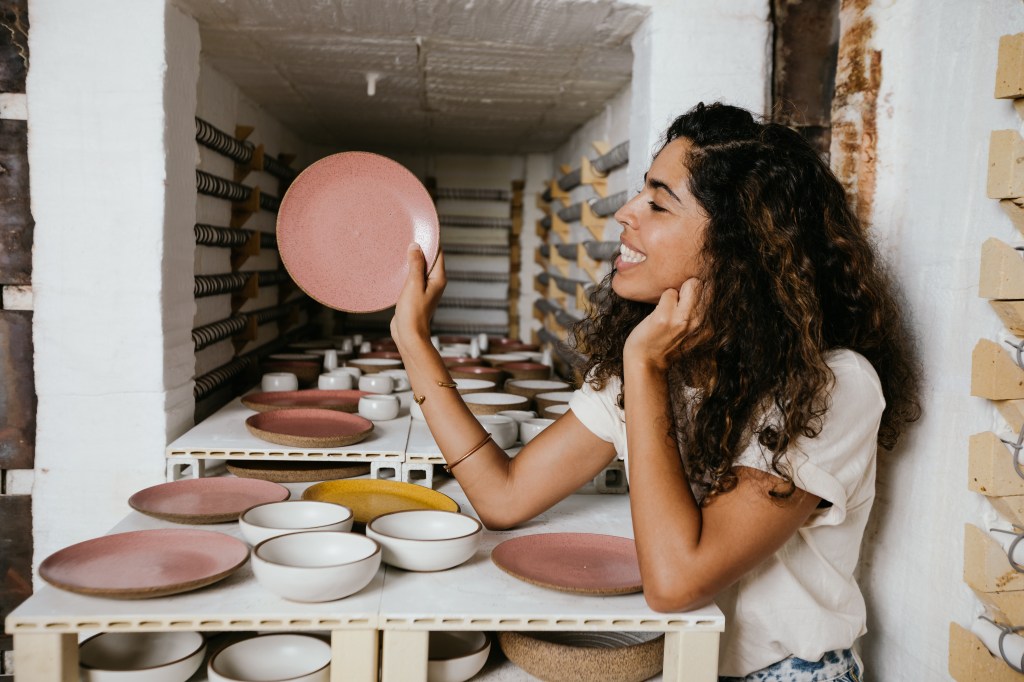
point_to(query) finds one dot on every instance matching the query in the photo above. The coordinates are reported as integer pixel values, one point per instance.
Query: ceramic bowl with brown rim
(555, 411)
(528, 388)
(306, 371)
(467, 386)
(546, 400)
(494, 374)
(374, 365)
(498, 359)
(493, 403)
(461, 360)
(526, 370)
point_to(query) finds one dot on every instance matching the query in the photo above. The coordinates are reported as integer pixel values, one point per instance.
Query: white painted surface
(931, 215)
(110, 157)
(14, 105)
(17, 298)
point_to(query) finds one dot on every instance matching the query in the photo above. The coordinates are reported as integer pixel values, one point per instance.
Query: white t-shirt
(803, 601)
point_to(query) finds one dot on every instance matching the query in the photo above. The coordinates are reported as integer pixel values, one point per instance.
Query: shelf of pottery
(579, 243)
(244, 299)
(991, 648)
(389, 612)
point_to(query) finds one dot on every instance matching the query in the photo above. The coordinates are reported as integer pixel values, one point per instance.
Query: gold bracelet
(449, 467)
(443, 384)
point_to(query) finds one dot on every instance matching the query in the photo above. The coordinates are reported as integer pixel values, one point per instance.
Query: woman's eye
(655, 207)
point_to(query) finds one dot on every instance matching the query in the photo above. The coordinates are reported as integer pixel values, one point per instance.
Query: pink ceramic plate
(344, 227)
(342, 401)
(572, 562)
(309, 428)
(205, 500)
(145, 563)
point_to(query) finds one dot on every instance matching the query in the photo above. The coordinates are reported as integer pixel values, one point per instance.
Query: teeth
(631, 256)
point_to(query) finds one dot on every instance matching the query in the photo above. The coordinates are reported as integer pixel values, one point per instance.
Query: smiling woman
(745, 358)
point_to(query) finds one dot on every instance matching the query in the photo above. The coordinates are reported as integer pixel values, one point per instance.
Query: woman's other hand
(659, 337)
(418, 299)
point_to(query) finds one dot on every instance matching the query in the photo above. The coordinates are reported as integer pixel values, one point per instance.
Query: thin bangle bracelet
(443, 384)
(449, 467)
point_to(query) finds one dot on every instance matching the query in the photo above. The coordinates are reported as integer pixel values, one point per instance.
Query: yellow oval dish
(368, 498)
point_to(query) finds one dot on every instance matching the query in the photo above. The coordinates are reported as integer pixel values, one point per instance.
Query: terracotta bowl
(528, 388)
(526, 370)
(383, 345)
(546, 400)
(300, 346)
(516, 347)
(597, 656)
(494, 374)
(493, 403)
(449, 339)
(463, 360)
(374, 365)
(307, 371)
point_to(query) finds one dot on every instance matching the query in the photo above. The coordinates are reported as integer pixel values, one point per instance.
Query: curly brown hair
(790, 274)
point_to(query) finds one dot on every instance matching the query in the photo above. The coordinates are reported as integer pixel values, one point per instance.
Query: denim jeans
(835, 666)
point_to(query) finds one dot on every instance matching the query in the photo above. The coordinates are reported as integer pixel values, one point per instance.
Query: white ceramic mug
(354, 371)
(335, 382)
(529, 429)
(378, 407)
(503, 430)
(365, 347)
(279, 381)
(330, 359)
(483, 341)
(400, 376)
(377, 383)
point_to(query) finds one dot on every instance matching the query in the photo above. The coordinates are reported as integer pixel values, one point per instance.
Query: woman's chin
(628, 293)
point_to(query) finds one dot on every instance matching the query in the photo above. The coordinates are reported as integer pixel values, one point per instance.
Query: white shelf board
(223, 435)
(480, 596)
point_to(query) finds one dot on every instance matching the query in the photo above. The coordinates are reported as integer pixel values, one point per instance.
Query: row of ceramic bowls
(283, 657)
(304, 550)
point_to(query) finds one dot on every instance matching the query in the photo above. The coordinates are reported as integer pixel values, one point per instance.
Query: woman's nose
(626, 214)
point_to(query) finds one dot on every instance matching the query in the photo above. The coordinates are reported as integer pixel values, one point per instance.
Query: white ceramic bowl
(279, 381)
(518, 415)
(316, 566)
(400, 376)
(141, 656)
(354, 371)
(426, 539)
(531, 387)
(374, 365)
(504, 430)
(379, 407)
(498, 358)
(492, 403)
(457, 655)
(547, 399)
(556, 411)
(377, 383)
(340, 381)
(467, 386)
(265, 521)
(529, 429)
(286, 657)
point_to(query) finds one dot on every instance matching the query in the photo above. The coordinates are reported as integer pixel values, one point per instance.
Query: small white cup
(354, 371)
(377, 383)
(529, 429)
(483, 341)
(346, 345)
(279, 381)
(335, 382)
(474, 348)
(330, 359)
(365, 347)
(357, 339)
(400, 376)
(503, 430)
(378, 407)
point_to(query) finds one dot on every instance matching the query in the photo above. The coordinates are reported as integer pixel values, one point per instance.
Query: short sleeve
(836, 463)
(599, 412)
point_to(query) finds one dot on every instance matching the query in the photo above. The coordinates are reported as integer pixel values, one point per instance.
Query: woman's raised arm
(503, 491)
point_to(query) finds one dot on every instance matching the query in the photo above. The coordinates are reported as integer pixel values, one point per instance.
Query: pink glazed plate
(345, 225)
(145, 563)
(205, 500)
(585, 563)
(309, 428)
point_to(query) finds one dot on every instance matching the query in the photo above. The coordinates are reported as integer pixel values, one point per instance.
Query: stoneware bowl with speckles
(586, 656)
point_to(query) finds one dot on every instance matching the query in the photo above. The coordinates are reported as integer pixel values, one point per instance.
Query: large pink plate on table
(344, 227)
(145, 563)
(205, 500)
(586, 563)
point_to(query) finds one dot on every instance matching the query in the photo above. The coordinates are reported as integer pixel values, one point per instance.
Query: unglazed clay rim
(292, 440)
(138, 500)
(351, 517)
(479, 527)
(433, 244)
